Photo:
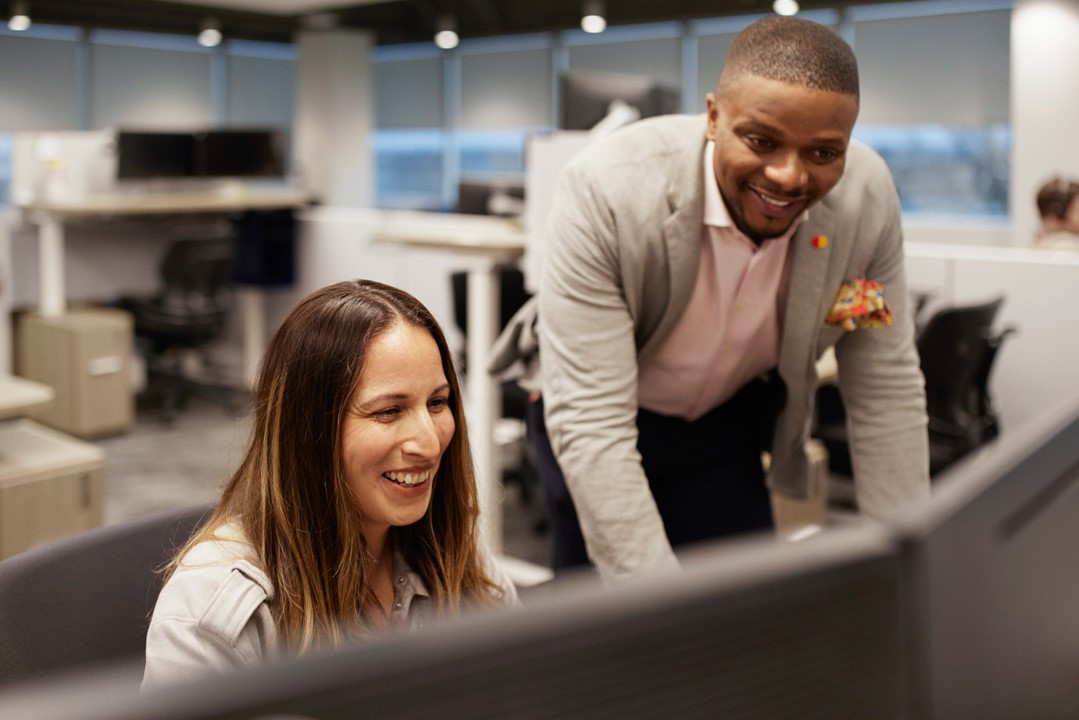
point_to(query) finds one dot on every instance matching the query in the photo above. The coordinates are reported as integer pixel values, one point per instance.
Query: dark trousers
(706, 475)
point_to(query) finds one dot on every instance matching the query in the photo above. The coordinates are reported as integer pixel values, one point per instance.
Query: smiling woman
(354, 507)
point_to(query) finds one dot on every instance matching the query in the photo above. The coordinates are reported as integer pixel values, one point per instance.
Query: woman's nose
(422, 437)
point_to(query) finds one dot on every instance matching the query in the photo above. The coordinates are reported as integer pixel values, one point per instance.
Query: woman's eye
(437, 404)
(387, 414)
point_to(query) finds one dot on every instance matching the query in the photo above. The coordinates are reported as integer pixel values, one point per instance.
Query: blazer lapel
(681, 237)
(809, 283)
(682, 234)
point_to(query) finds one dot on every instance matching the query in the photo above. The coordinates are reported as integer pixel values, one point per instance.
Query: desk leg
(51, 266)
(253, 313)
(484, 401)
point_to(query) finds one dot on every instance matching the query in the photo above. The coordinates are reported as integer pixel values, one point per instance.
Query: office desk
(482, 243)
(50, 217)
(17, 395)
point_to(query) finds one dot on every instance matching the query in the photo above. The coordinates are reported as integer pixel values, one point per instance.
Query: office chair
(512, 295)
(86, 600)
(189, 313)
(957, 349)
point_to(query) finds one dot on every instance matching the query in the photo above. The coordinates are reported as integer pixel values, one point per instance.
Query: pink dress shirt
(730, 331)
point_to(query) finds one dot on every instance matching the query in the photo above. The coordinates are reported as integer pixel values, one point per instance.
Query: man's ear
(713, 116)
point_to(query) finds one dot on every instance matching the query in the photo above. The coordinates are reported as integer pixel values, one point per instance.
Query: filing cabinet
(51, 486)
(85, 356)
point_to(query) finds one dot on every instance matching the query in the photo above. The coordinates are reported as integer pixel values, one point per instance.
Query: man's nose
(788, 172)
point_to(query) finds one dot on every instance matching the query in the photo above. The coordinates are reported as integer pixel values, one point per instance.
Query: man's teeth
(407, 478)
(772, 201)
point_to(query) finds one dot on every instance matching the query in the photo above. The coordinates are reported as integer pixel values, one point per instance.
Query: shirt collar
(413, 582)
(715, 210)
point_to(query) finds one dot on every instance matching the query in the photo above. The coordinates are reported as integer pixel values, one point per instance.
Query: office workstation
(397, 176)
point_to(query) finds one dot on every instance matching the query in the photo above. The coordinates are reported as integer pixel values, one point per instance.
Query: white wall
(335, 116)
(337, 244)
(1037, 364)
(957, 231)
(1045, 103)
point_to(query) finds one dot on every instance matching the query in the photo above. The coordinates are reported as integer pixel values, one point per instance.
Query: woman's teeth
(407, 478)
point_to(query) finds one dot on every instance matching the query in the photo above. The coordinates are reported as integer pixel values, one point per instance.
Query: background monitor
(493, 198)
(242, 153)
(587, 97)
(146, 155)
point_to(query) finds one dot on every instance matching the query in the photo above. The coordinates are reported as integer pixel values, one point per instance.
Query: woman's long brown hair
(290, 496)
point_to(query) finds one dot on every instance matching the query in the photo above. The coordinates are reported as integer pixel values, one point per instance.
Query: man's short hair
(794, 51)
(1055, 197)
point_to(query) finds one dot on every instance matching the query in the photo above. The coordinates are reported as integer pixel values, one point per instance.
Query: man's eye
(825, 154)
(759, 143)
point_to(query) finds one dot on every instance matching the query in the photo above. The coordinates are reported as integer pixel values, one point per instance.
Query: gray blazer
(623, 244)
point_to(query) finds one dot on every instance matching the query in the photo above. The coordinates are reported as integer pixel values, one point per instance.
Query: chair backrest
(953, 347)
(197, 274)
(86, 600)
(512, 295)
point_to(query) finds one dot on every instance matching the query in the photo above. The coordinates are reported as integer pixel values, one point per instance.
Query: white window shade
(659, 59)
(503, 90)
(37, 86)
(138, 87)
(262, 91)
(409, 93)
(940, 69)
(712, 55)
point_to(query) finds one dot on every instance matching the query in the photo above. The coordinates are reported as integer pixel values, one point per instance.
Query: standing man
(692, 266)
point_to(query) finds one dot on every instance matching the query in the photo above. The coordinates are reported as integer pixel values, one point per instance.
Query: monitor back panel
(996, 573)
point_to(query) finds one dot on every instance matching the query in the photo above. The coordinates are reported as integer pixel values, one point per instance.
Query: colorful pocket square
(860, 305)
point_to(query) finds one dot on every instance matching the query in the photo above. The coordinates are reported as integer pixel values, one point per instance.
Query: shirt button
(401, 580)
(397, 604)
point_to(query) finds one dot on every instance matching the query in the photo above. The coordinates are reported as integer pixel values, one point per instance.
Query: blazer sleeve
(880, 378)
(588, 358)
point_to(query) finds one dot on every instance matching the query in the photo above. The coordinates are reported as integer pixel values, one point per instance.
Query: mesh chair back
(953, 348)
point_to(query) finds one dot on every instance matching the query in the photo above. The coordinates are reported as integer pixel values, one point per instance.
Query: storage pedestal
(85, 355)
(51, 486)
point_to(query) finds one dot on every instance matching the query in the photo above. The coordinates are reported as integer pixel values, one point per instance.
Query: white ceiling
(282, 7)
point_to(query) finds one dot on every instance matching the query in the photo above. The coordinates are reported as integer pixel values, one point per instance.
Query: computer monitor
(490, 198)
(241, 153)
(751, 629)
(963, 608)
(994, 571)
(587, 97)
(147, 155)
